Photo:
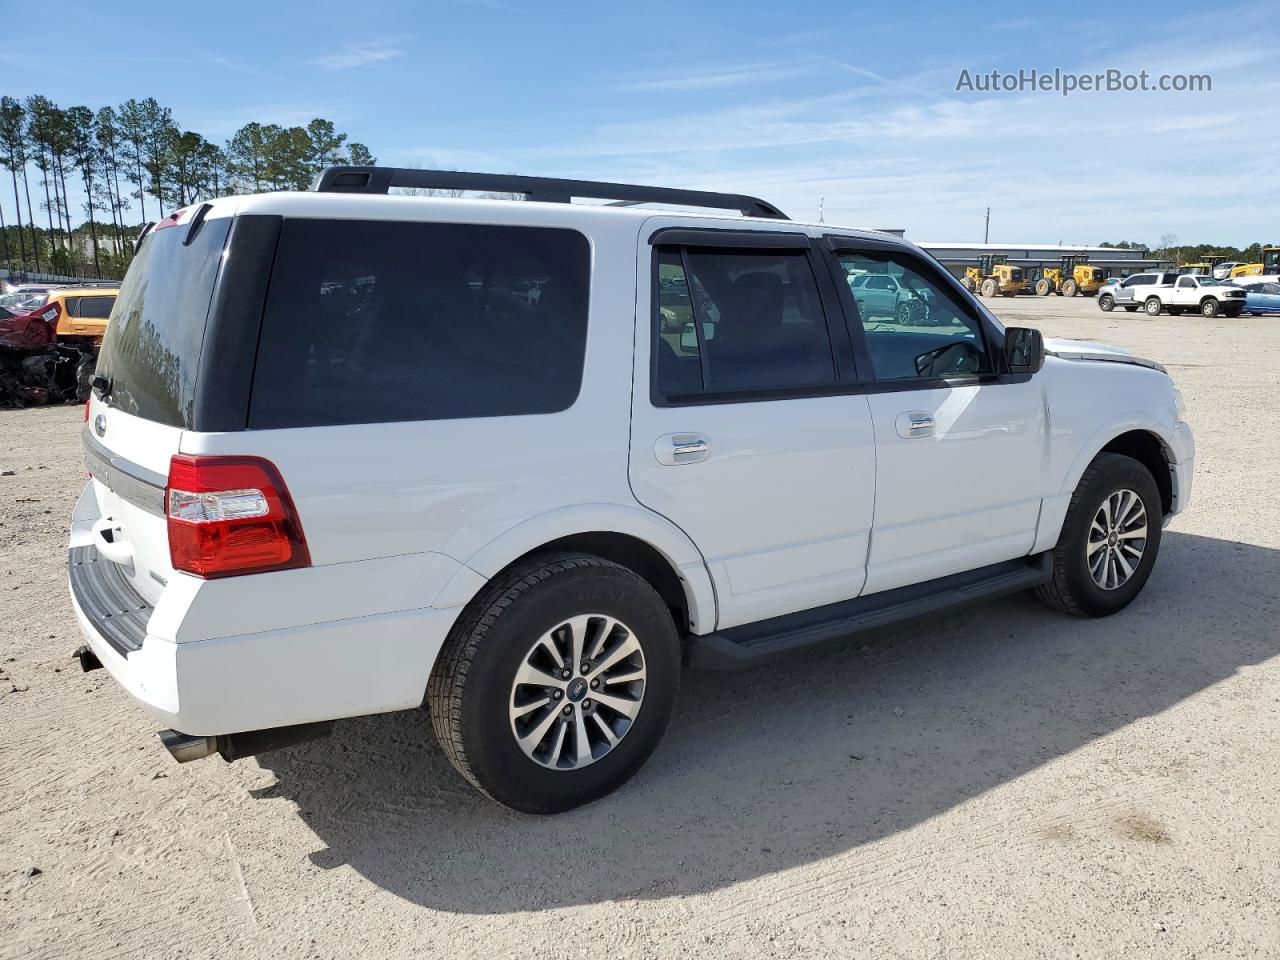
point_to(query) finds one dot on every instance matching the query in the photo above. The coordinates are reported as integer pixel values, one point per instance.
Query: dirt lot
(1002, 781)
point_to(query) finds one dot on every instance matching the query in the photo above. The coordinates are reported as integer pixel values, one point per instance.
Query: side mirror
(1023, 350)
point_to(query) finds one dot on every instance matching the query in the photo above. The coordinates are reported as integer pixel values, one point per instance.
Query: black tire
(967, 282)
(84, 376)
(1106, 303)
(1043, 287)
(1209, 308)
(989, 287)
(1132, 309)
(1069, 288)
(1072, 588)
(1153, 306)
(470, 688)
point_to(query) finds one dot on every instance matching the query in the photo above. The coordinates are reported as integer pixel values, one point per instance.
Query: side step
(755, 643)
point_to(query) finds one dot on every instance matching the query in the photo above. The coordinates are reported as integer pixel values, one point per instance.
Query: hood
(1088, 350)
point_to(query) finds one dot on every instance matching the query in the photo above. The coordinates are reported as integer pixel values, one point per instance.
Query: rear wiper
(101, 386)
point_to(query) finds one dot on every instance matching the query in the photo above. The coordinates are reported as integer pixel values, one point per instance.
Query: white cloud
(351, 55)
(730, 75)
(888, 149)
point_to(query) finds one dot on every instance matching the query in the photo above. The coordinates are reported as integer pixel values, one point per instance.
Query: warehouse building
(1035, 256)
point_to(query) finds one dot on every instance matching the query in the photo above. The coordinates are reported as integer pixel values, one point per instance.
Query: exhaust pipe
(184, 748)
(236, 746)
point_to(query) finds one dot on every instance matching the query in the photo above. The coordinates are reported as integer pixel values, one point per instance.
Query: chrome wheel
(1117, 539)
(577, 692)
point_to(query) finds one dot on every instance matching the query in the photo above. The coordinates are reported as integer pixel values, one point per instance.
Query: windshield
(152, 347)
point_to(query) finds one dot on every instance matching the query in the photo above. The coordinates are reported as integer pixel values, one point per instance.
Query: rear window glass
(95, 307)
(151, 350)
(376, 322)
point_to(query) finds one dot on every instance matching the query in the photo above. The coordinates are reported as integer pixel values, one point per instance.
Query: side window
(71, 305)
(731, 321)
(1186, 282)
(376, 322)
(96, 308)
(917, 328)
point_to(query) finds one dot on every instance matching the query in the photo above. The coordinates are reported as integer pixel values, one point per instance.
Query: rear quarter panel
(453, 486)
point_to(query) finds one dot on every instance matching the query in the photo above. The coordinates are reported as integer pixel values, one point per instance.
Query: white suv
(344, 461)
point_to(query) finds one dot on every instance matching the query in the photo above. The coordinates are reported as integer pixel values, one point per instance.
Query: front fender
(1126, 423)
(652, 528)
(1176, 442)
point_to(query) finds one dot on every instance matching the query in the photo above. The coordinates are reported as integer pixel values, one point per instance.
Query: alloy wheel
(1117, 539)
(577, 692)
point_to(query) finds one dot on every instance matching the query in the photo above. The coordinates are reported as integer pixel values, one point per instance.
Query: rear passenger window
(732, 321)
(375, 322)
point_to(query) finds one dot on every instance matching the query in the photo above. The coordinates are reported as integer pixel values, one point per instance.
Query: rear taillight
(231, 515)
(86, 410)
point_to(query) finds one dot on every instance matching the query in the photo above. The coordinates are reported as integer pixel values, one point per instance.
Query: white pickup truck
(1158, 292)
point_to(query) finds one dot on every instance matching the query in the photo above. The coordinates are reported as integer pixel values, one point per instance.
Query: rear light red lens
(230, 516)
(86, 411)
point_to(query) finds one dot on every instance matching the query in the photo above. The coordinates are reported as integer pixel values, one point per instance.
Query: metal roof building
(1033, 256)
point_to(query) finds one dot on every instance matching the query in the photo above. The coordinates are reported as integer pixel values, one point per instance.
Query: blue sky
(854, 102)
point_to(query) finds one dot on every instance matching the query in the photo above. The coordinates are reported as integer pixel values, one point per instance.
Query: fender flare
(652, 528)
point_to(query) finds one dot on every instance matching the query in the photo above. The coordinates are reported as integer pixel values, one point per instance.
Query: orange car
(82, 311)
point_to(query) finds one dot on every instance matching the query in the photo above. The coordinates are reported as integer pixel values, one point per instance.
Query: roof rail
(382, 179)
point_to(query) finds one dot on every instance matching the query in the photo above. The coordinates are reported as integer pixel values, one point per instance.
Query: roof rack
(382, 179)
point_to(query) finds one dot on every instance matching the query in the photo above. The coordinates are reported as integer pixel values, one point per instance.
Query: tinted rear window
(96, 307)
(376, 322)
(152, 346)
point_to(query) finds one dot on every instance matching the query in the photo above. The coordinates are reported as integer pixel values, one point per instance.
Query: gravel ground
(998, 782)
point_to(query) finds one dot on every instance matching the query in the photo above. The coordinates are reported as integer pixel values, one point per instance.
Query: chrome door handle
(673, 449)
(915, 423)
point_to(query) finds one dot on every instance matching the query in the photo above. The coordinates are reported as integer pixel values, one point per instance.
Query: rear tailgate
(144, 390)
(128, 458)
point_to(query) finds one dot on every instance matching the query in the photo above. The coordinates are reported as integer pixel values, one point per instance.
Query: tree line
(1168, 248)
(133, 157)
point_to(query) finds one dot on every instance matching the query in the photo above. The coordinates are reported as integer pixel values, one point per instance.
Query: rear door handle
(915, 423)
(673, 449)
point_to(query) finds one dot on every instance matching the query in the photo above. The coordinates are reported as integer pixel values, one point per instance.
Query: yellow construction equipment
(1072, 277)
(993, 275)
(1270, 264)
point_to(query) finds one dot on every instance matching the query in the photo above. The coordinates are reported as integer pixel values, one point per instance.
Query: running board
(755, 643)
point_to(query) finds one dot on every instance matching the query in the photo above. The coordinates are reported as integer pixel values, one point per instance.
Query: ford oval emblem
(100, 424)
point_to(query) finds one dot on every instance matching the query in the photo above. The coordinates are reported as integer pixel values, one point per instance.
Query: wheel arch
(1145, 443)
(642, 541)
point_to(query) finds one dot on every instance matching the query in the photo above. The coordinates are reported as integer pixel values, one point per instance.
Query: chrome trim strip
(142, 487)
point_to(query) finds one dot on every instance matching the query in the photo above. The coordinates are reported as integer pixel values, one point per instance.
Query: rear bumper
(279, 678)
(254, 679)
